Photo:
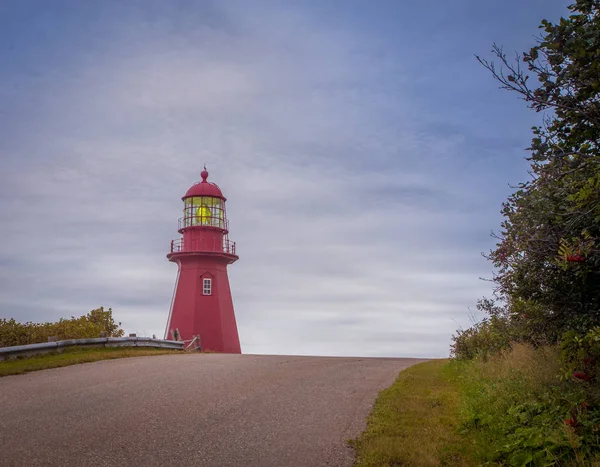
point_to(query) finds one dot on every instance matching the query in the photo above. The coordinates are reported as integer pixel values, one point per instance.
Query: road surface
(196, 410)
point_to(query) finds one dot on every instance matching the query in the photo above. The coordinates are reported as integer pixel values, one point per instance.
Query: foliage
(531, 367)
(90, 325)
(547, 259)
(486, 337)
(519, 412)
(548, 253)
(512, 409)
(520, 321)
(580, 356)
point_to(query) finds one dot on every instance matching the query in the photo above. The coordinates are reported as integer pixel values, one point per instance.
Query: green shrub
(580, 356)
(509, 321)
(90, 325)
(481, 340)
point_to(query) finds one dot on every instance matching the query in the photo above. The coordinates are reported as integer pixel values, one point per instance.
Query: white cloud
(356, 230)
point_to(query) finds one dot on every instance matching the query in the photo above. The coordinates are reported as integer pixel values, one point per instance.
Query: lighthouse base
(202, 304)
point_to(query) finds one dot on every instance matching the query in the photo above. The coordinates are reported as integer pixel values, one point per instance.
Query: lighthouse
(202, 304)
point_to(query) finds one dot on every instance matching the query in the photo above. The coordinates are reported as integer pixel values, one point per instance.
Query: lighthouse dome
(204, 188)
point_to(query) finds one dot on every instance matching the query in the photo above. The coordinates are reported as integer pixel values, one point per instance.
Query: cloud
(359, 213)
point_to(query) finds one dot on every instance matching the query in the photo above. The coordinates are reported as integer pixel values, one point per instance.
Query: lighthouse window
(207, 286)
(204, 210)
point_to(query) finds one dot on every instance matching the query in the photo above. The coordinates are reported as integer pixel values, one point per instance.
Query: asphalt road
(196, 410)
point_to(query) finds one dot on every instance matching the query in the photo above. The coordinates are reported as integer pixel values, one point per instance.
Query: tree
(104, 320)
(547, 257)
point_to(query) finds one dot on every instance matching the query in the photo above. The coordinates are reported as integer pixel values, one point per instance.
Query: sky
(363, 151)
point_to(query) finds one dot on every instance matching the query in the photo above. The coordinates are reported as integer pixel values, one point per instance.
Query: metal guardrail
(47, 347)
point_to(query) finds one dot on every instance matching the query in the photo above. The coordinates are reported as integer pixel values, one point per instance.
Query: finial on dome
(204, 174)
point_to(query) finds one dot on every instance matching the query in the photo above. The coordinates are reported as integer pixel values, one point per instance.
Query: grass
(73, 357)
(511, 409)
(506, 398)
(516, 405)
(415, 422)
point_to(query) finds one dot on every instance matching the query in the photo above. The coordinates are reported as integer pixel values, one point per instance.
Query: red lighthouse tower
(202, 304)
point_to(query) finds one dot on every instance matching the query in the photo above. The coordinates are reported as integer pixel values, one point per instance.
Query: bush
(508, 322)
(90, 325)
(580, 356)
(483, 339)
(521, 412)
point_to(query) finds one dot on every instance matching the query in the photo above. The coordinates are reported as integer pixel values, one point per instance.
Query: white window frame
(206, 286)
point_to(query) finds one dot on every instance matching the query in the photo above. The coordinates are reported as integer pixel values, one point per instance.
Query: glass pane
(204, 213)
(204, 210)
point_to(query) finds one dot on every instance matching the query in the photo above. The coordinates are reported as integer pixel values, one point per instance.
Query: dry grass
(415, 421)
(513, 375)
(75, 356)
(515, 404)
(537, 366)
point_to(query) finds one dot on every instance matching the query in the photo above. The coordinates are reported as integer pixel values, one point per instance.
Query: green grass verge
(511, 409)
(415, 422)
(518, 411)
(74, 356)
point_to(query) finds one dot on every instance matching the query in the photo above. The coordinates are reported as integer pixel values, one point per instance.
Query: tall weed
(521, 413)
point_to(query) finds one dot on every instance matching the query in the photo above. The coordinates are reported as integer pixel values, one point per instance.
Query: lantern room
(204, 224)
(204, 206)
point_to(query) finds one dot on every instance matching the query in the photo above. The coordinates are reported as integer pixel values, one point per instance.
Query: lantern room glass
(204, 211)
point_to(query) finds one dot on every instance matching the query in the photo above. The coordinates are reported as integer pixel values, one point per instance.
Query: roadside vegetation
(93, 324)
(512, 409)
(96, 323)
(531, 367)
(415, 422)
(520, 410)
(526, 379)
(74, 356)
